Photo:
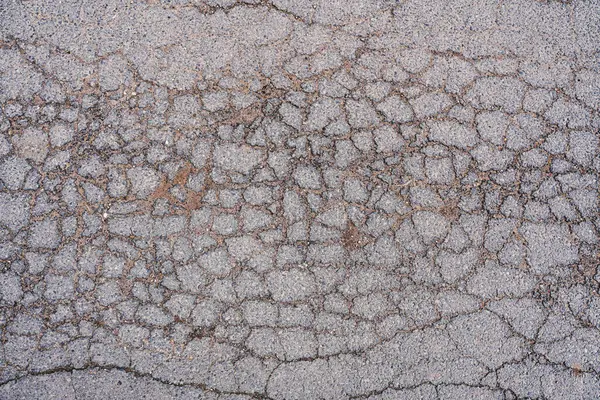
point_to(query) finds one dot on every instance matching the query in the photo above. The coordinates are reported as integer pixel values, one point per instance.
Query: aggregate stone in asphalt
(299, 199)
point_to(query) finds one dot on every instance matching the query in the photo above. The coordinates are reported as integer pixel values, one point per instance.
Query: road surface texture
(299, 199)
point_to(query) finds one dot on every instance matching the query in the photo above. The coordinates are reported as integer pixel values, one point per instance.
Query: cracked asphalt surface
(299, 199)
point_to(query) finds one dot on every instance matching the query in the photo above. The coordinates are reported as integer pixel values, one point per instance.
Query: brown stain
(269, 92)
(192, 201)
(38, 101)
(352, 238)
(586, 269)
(589, 265)
(162, 192)
(125, 285)
(450, 210)
(245, 116)
(183, 174)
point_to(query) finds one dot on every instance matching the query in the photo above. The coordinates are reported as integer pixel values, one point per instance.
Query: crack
(135, 374)
(73, 386)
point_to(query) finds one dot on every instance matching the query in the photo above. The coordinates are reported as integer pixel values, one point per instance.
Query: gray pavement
(299, 199)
